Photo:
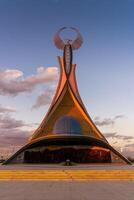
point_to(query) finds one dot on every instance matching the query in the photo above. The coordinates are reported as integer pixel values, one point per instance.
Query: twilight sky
(29, 69)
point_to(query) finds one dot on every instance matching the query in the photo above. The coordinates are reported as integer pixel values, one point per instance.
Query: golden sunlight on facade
(67, 131)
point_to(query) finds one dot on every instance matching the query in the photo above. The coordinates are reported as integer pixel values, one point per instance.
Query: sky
(29, 69)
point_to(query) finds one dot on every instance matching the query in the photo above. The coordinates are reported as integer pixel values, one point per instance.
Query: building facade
(67, 131)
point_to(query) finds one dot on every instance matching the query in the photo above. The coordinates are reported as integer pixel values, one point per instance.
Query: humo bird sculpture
(67, 46)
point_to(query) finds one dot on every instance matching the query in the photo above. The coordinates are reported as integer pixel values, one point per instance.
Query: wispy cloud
(115, 135)
(12, 82)
(14, 138)
(44, 99)
(6, 109)
(121, 142)
(107, 121)
(104, 122)
(110, 135)
(8, 122)
(13, 131)
(130, 145)
(119, 117)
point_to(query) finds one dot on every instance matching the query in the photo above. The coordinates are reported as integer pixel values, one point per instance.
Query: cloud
(12, 82)
(14, 138)
(123, 143)
(109, 135)
(7, 122)
(43, 99)
(115, 135)
(6, 109)
(130, 145)
(104, 122)
(107, 121)
(119, 117)
(124, 137)
(13, 132)
(10, 74)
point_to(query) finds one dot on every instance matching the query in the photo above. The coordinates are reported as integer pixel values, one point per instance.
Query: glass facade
(67, 125)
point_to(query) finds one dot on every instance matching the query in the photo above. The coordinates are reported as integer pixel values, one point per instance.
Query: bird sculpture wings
(60, 44)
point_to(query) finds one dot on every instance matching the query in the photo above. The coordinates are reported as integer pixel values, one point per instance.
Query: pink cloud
(13, 132)
(6, 109)
(10, 74)
(12, 82)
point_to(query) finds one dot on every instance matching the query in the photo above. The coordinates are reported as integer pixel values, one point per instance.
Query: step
(66, 175)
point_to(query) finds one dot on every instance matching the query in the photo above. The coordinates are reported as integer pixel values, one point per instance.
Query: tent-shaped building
(67, 131)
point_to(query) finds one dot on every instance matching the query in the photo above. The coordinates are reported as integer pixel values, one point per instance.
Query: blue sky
(105, 62)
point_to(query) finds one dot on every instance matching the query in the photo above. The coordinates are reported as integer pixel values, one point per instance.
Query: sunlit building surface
(67, 131)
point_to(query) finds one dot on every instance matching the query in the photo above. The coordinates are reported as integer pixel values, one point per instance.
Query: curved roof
(65, 140)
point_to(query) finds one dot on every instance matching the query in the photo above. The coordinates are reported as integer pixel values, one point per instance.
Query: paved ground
(61, 166)
(69, 189)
